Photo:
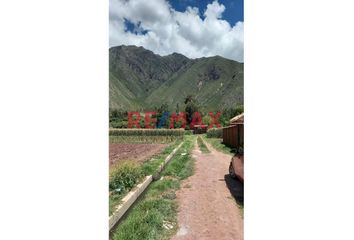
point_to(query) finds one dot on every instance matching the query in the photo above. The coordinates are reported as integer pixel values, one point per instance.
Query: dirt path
(206, 201)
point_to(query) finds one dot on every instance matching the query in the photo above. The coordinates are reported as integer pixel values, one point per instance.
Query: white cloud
(214, 10)
(163, 30)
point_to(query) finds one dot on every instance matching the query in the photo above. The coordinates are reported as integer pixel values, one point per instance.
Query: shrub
(118, 124)
(214, 133)
(202, 146)
(188, 132)
(124, 176)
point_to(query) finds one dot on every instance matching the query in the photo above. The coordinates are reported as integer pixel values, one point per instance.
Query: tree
(206, 119)
(239, 109)
(177, 108)
(190, 108)
(162, 111)
(118, 118)
(188, 99)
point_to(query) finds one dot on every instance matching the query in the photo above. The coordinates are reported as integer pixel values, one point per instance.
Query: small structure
(199, 129)
(233, 134)
(237, 120)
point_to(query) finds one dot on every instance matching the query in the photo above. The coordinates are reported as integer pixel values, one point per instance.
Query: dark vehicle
(233, 137)
(236, 167)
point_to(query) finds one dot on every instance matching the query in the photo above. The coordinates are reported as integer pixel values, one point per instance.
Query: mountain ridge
(141, 80)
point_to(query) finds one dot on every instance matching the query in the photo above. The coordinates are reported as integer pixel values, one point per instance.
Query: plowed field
(134, 152)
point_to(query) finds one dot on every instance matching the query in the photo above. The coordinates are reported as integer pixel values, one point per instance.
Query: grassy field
(202, 146)
(154, 216)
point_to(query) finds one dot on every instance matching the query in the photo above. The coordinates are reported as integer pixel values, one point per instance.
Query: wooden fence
(233, 135)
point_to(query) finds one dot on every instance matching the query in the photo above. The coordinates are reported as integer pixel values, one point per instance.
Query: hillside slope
(140, 79)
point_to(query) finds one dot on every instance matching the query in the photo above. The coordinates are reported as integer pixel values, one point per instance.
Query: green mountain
(142, 80)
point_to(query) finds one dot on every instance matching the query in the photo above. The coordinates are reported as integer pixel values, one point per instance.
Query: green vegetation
(192, 106)
(214, 133)
(118, 118)
(154, 216)
(188, 132)
(114, 200)
(218, 145)
(240, 206)
(122, 178)
(151, 166)
(182, 165)
(142, 139)
(147, 132)
(140, 80)
(215, 82)
(202, 146)
(145, 135)
(229, 112)
(143, 81)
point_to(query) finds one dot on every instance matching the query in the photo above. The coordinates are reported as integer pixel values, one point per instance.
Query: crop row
(146, 132)
(144, 139)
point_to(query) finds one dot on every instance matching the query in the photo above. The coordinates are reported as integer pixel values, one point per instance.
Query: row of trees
(119, 118)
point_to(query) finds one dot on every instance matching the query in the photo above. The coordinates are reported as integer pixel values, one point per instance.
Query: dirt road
(206, 202)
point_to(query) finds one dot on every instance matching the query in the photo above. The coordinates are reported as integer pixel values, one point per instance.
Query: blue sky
(232, 14)
(190, 27)
(233, 9)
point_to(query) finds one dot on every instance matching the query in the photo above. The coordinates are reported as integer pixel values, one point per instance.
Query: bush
(188, 132)
(118, 124)
(214, 133)
(124, 177)
(118, 118)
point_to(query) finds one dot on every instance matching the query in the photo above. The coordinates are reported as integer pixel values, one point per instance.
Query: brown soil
(206, 202)
(135, 152)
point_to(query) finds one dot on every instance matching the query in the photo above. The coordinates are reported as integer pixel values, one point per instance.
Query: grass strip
(202, 146)
(218, 145)
(151, 166)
